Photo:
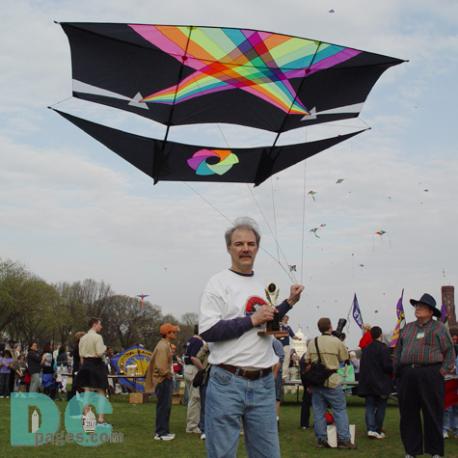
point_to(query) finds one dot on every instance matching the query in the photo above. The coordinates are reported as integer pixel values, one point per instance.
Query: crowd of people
(234, 369)
(32, 370)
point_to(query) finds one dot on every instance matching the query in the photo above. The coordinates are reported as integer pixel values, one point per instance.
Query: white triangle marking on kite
(136, 102)
(355, 108)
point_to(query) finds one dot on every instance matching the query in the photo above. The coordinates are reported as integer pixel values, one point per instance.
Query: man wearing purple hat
(423, 356)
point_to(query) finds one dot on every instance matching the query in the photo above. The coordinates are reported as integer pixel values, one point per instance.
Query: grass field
(136, 423)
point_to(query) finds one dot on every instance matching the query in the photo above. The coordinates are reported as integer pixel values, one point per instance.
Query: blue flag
(357, 316)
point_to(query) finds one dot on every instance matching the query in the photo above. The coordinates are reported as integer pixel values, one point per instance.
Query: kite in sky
(380, 233)
(312, 194)
(142, 299)
(181, 75)
(315, 230)
(340, 180)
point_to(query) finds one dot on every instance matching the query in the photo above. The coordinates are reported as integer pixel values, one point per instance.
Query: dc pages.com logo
(35, 421)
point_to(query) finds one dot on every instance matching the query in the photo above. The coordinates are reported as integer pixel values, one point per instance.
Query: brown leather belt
(245, 373)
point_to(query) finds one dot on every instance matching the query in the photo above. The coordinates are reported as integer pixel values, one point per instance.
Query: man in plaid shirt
(423, 356)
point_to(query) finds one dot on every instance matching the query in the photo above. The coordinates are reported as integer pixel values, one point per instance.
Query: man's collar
(242, 274)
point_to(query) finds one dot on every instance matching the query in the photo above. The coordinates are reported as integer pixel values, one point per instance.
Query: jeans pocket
(221, 376)
(269, 382)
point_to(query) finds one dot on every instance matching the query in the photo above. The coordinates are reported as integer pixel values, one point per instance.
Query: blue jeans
(163, 406)
(334, 397)
(230, 400)
(451, 420)
(375, 413)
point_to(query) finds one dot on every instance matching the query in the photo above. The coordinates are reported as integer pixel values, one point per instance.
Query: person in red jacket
(366, 339)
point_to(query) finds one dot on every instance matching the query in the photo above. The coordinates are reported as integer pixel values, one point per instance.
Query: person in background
(306, 396)
(285, 341)
(111, 381)
(34, 367)
(191, 366)
(451, 414)
(423, 355)
(6, 363)
(19, 368)
(92, 373)
(177, 366)
(277, 370)
(375, 382)
(76, 361)
(158, 379)
(48, 373)
(333, 352)
(62, 368)
(202, 355)
(366, 339)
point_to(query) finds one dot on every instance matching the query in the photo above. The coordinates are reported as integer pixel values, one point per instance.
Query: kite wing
(179, 75)
(172, 161)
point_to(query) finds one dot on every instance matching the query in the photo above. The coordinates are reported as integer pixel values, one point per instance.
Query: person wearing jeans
(375, 415)
(241, 387)
(331, 351)
(323, 397)
(163, 408)
(159, 379)
(375, 382)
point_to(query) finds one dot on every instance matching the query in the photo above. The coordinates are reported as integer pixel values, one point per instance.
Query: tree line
(32, 309)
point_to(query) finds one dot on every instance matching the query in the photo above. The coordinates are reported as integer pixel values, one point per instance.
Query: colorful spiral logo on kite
(199, 161)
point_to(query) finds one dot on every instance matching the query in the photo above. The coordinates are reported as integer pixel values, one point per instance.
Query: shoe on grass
(346, 445)
(164, 437)
(322, 443)
(203, 436)
(374, 435)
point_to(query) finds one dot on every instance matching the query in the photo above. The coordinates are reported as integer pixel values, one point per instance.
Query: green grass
(136, 422)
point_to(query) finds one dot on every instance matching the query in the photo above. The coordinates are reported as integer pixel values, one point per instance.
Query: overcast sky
(70, 209)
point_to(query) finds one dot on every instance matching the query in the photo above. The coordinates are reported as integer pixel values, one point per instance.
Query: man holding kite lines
(241, 387)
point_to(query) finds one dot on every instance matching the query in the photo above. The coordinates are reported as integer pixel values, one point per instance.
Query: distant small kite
(315, 230)
(312, 194)
(361, 265)
(340, 180)
(426, 190)
(381, 232)
(142, 299)
(292, 268)
(331, 11)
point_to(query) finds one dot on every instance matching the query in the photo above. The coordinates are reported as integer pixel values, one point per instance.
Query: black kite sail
(178, 75)
(188, 74)
(173, 161)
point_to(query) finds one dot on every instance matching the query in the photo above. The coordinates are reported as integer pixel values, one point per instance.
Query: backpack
(315, 374)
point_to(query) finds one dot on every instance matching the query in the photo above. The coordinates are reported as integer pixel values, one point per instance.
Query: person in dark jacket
(34, 367)
(375, 382)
